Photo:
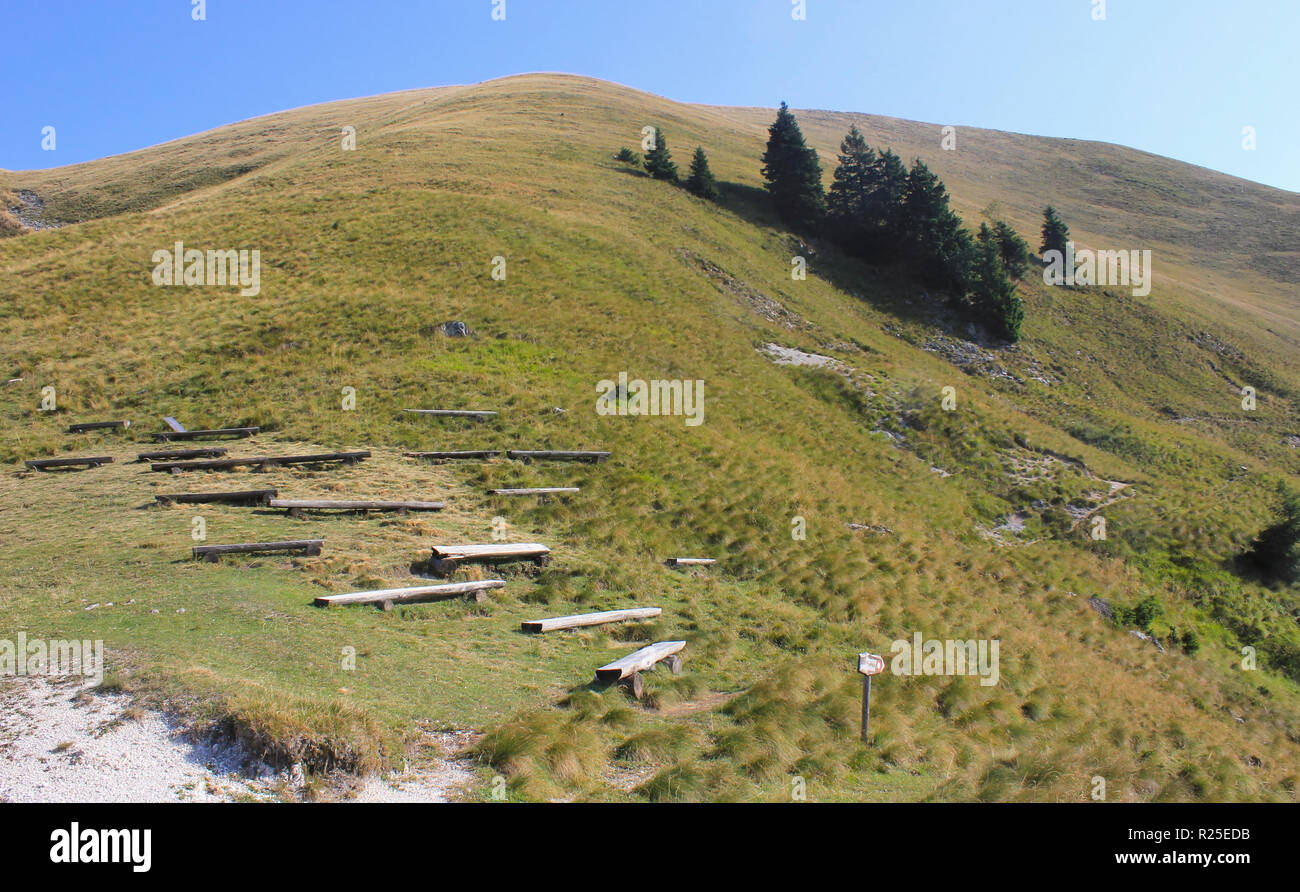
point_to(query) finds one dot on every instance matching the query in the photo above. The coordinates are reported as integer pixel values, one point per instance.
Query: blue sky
(1176, 77)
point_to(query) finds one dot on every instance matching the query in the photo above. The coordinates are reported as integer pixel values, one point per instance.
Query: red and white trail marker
(870, 664)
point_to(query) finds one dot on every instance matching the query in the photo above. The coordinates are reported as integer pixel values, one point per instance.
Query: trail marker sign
(868, 664)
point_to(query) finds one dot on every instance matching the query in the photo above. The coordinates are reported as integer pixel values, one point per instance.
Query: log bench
(628, 670)
(388, 597)
(690, 562)
(535, 491)
(180, 454)
(213, 553)
(250, 496)
(447, 557)
(296, 507)
(582, 620)
(90, 461)
(213, 434)
(478, 414)
(556, 455)
(449, 456)
(264, 461)
(97, 426)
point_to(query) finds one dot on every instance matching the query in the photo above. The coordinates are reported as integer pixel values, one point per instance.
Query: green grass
(365, 253)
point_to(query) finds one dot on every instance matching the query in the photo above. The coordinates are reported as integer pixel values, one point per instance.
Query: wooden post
(866, 706)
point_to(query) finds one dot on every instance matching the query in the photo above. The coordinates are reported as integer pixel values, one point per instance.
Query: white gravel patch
(56, 746)
(441, 781)
(62, 742)
(793, 356)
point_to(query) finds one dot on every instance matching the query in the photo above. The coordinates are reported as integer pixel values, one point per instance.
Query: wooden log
(96, 426)
(268, 461)
(444, 456)
(446, 558)
(690, 562)
(505, 550)
(207, 434)
(252, 495)
(638, 661)
(214, 552)
(555, 624)
(556, 455)
(453, 413)
(180, 454)
(354, 505)
(415, 594)
(91, 461)
(536, 491)
(635, 685)
(174, 424)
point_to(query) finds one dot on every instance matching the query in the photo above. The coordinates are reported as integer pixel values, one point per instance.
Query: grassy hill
(365, 253)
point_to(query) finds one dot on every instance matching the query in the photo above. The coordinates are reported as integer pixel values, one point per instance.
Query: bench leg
(442, 567)
(635, 685)
(674, 663)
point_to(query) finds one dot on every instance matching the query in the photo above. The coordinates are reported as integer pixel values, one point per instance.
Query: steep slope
(364, 253)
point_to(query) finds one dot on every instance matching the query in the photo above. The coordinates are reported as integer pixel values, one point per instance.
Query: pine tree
(993, 293)
(925, 202)
(850, 196)
(1055, 232)
(886, 205)
(1015, 250)
(658, 161)
(793, 173)
(701, 180)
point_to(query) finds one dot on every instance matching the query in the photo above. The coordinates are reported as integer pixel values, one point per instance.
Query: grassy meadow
(365, 253)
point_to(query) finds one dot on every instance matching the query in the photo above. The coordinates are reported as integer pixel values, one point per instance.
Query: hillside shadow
(892, 286)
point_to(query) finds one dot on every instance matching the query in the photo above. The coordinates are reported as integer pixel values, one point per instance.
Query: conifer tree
(994, 295)
(658, 161)
(793, 173)
(849, 201)
(886, 205)
(1015, 250)
(701, 180)
(1055, 232)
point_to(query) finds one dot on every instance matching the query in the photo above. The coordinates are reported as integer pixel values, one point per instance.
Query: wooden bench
(628, 670)
(555, 455)
(253, 496)
(90, 461)
(264, 461)
(447, 456)
(180, 454)
(447, 557)
(97, 426)
(556, 623)
(388, 597)
(207, 434)
(296, 507)
(536, 491)
(690, 562)
(478, 414)
(213, 553)
(174, 424)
